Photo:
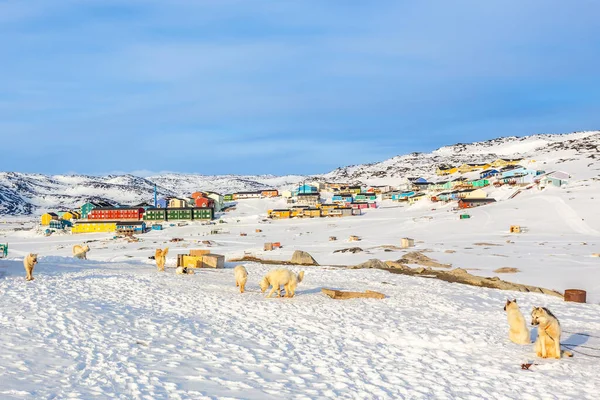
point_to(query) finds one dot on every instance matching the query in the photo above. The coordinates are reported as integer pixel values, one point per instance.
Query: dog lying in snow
(80, 251)
(160, 256)
(29, 262)
(518, 332)
(278, 277)
(547, 344)
(241, 277)
(184, 271)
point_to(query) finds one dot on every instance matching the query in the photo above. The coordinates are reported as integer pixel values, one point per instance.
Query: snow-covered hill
(23, 194)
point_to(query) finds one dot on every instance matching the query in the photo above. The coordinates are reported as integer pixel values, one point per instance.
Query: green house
(203, 213)
(179, 213)
(228, 197)
(480, 183)
(155, 214)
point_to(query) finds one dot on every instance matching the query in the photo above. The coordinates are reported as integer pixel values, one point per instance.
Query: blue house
(488, 173)
(131, 226)
(342, 198)
(163, 202)
(403, 195)
(306, 189)
(519, 171)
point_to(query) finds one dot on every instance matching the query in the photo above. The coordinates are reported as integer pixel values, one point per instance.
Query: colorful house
(417, 197)
(402, 196)
(309, 199)
(445, 170)
(469, 167)
(58, 224)
(479, 183)
(204, 202)
(365, 196)
(163, 202)
(472, 194)
(179, 213)
(131, 227)
(342, 198)
(556, 178)
(88, 207)
(305, 189)
(503, 162)
(355, 189)
(470, 203)
(488, 173)
(155, 214)
(247, 195)
(115, 214)
(279, 214)
(206, 214)
(270, 193)
(46, 218)
(312, 213)
(177, 203)
(228, 197)
(94, 226)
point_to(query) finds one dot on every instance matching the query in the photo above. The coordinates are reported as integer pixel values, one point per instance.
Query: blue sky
(284, 87)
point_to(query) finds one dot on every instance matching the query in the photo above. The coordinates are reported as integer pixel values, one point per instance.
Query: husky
(547, 344)
(80, 251)
(278, 277)
(518, 332)
(160, 256)
(29, 262)
(184, 271)
(241, 277)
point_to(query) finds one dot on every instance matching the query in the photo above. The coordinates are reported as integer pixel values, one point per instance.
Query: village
(467, 186)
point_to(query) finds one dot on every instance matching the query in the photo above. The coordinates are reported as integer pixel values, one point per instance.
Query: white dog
(184, 271)
(278, 277)
(517, 327)
(80, 251)
(29, 262)
(241, 277)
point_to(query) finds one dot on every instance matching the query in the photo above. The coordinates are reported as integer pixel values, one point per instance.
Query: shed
(515, 229)
(213, 261)
(198, 252)
(407, 242)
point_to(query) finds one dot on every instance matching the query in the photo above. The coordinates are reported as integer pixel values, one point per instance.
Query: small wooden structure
(515, 229)
(575, 295)
(243, 234)
(191, 261)
(342, 295)
(258, 230)
(213, 261)
(332, 238)
(354, 238)
(200, 253)
(272, 246)
(465, 216)
(407, 242)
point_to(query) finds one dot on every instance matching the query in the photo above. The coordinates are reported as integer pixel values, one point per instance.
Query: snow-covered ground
(114, 327)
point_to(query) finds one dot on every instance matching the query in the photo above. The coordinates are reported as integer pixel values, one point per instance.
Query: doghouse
(258, 231)
(407, 242)
(268, 246)
(191, 261)
(515, 229)
(354, 238)
(199, 253)
(332, 238)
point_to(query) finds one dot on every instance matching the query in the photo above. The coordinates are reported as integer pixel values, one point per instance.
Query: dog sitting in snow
(160, 256)
(518, 332)
(547, 344)
(80, 251)
(184, 271)
(29, 262)
(241, 277)
(278, 277)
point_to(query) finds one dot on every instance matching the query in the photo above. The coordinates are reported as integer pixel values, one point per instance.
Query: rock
(450, 251)
(507, 270)
(419, 270)
(372, 263)
(395, 265)
(303, 258)
(352, 250)
(418, 258)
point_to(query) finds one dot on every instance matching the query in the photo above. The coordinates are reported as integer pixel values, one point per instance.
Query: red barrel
(575, 295)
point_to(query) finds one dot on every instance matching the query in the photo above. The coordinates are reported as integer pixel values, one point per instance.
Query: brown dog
(29, 263)
(547, 344)
(161, 258)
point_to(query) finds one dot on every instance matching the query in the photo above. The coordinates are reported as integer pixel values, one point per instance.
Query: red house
(117, 214)
(270, 193)
(195, 195)
(203, 202)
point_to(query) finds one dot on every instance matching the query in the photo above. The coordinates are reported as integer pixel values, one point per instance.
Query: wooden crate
(192, 261)
(199, 253)
(407, 242)
(213, 261)
(268, 247)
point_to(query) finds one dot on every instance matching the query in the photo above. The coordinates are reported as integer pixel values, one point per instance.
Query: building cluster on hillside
(256, 194)
(469, 192)
(306, 201)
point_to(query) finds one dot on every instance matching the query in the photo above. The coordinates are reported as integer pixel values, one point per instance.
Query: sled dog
(278, 277)
(29, 262)
(547, 344)
(241, 277)
(161, 257)
(80, 251)
(518, 332)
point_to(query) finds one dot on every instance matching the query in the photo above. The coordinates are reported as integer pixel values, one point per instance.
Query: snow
(114, 327)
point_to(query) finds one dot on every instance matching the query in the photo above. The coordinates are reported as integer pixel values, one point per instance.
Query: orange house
(270, 193)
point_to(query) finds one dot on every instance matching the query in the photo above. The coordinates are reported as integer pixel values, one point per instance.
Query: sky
(284, 87)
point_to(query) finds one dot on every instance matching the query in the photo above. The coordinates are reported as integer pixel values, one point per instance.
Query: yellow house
(445, 170)
(416, 197)
(94, 227)
(472, 167)
(69, 215)
(280, 213)
(505, 162)
(296, 212)
(177, 203)
(46, 218)
(473, 194)
(312, 212)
